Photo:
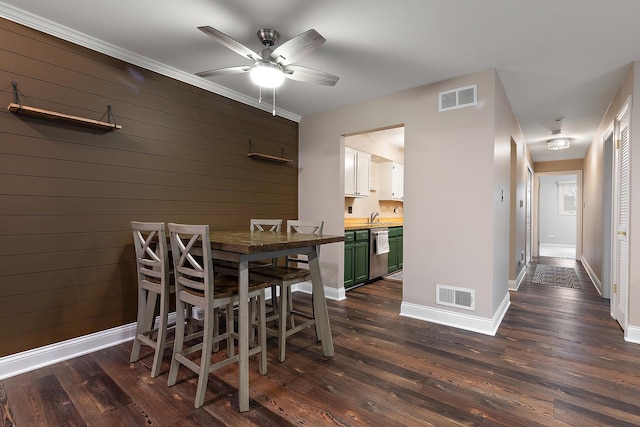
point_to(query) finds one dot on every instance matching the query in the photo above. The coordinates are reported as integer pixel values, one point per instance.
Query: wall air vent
(458, 98)
(455, 297)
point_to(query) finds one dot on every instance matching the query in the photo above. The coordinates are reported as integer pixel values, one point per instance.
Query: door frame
(608, 155)
(536, 205)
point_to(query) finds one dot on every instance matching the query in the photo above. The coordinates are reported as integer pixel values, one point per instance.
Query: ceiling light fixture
(267, 74)
(558, 144)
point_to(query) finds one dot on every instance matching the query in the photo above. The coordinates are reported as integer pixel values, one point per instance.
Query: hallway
(557, 251)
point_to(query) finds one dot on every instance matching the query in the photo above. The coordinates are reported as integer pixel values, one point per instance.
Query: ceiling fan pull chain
(274, 101)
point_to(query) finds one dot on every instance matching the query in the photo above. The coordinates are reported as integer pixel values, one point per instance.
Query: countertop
(362, 224)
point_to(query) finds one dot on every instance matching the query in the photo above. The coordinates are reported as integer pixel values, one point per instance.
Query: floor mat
(565, 277)
(395, 276)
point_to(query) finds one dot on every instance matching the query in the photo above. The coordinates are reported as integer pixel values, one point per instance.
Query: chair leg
(177, 343)
(144, 322)
(142, 308)
(253, 320)
(282, 326)
(262, 332)
(230, 331)
(161, 339)
(290, 318)
(205, 360)
(274, 299)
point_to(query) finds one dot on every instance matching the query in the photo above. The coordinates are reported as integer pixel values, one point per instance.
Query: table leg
(243, 334)
(320, 305)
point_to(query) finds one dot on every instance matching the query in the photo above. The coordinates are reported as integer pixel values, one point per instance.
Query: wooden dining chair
(274, 225)
(197, 285)
(257, 225)
(152, 267)
(229, 267)
(284, 277)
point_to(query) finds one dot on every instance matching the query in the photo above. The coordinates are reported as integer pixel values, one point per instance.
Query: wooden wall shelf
(52, 115)
(269, 158)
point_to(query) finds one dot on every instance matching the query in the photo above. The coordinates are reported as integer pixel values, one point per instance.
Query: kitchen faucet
(373, 216)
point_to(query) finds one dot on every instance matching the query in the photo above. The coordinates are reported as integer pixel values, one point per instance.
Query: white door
(621, 221)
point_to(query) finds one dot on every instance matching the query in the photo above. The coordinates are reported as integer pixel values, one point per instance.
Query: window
(567, 198)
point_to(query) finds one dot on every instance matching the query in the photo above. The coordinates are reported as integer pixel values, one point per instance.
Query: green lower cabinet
(393, 254)
(395, 248)
(400, 249)
(348, 259)
(356, 257)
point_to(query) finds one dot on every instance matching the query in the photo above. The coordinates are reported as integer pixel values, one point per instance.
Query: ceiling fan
(272, 66)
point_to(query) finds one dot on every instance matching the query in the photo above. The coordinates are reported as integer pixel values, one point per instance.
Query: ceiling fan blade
(298, 47)
(309, 75)
(224, 71)
(230, 42)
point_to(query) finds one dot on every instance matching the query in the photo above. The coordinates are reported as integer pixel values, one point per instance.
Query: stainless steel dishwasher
(378, 252)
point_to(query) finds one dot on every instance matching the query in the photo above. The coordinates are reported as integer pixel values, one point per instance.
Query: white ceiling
(555, 57)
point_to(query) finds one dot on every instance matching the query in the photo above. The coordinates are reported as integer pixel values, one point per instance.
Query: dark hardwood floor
(558, 359)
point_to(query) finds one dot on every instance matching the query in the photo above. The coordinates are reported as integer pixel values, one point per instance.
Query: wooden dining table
(243, 246)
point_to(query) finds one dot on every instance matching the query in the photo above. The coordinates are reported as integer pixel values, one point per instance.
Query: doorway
(382, 203)
(558, 217)
(607, 214)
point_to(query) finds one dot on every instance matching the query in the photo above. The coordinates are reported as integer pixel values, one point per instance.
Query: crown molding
(60, 31)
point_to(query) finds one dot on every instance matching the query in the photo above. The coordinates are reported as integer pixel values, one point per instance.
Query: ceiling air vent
(458, 98)
(455, 297)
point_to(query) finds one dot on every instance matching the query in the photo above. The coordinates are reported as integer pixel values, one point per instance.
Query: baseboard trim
(335, 294)
(40, 357)
(514, 285)
(30, 360)
(592, 275)
(463, 321)
(632, 334)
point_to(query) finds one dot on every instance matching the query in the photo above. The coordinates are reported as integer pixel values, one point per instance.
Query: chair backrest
(191, 250)
(150, 243)
(306, 227)
(266, 225)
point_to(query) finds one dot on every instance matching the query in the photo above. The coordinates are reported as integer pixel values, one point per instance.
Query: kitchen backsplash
(363, 207)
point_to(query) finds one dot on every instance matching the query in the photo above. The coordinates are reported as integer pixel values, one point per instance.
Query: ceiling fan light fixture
(558, 144)
(267, 74)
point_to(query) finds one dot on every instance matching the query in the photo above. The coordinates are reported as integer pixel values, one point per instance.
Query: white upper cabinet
(357, 171)
(391, 181)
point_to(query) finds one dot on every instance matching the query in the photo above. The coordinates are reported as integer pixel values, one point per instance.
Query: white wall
(553, 228)
(456, 171)
(506, 130)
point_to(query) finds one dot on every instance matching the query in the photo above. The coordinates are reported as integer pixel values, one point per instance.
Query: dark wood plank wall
(67, 193)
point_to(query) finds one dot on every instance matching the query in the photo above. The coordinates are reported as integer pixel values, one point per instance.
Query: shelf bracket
(110, 116)
(16, 98)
